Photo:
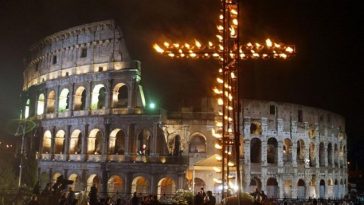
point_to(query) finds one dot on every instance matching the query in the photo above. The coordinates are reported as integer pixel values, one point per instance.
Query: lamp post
(21, 127)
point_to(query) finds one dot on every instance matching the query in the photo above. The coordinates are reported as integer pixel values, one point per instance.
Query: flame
(197, 43)
(158, 48)
(269, 43)
(234, 11)
(216, 169)
(220, 101)
(289, 49)
(218, 157)
(166, 44)
(235, 22)
(218, 146)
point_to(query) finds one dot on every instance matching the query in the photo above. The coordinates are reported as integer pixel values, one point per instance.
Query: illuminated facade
(84, 90)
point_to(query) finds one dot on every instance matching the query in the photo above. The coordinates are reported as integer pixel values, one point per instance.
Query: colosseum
(84, 91)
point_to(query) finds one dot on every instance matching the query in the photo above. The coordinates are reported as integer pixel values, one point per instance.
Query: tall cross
(228, 51)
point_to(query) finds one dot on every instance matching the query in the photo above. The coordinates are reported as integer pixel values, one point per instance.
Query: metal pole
(21, 155)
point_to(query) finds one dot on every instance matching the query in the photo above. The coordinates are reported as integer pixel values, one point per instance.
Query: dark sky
(326, 72)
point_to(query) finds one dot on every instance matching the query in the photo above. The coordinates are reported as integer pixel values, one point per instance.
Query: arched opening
(330, 189)
(197, 144)
(272, 151)
(272, 188)
(199, 183)
(255, 150)
(76, 185)
(59, 142)
(312, 188)
(120, 96)
(27, 109)
(312, 155)
(300, 152)
(166, 186)
(143, 142)
(40, 104)
(287, 150)
(55, 177)
(115, 185)
(256, 128)
(336, 155)
(329, 154)
(322, 189)
(51, 101)
(255, 185)
(117, 142)
(93, 180)
(287, 189)
(47, 142)
(80, 99)
(301, 189)
(94, 142)
(322, 154)
(75, 142)
(98, 97)
(63, 102)
(336, 189)
(140, 185)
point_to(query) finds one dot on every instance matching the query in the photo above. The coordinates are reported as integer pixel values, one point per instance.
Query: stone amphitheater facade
(84, 91)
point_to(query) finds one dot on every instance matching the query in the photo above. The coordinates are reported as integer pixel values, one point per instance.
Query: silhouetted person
(211, 200)
(93, 196)
(34, 201)
(134, 199)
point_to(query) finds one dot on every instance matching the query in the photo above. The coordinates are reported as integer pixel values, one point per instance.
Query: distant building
(84, 90)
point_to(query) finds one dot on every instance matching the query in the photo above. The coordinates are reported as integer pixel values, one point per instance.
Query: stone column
(181, 180)
(53, 140)
(45, 102)
(84, 143)
(153, 184)
(56, 101)
(247, 152)
(294, 153)
(128, 183)
(294, 189)
(317, 154)
(105, 141)
(71, 99)
(280, 187)
(264, 161)
(104, 179)
(326, 156)
(108, 100)
(67, 141)
(280, 153)
(88, 96)
(130, 94)
(153, 145)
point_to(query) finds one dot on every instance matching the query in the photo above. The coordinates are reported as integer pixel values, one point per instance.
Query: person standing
(211, 200)
(134, 199)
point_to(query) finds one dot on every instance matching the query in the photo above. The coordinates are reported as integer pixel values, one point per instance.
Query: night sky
(326, 71)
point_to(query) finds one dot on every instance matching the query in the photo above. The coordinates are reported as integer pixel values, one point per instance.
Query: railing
(46, 156)
(60, 157)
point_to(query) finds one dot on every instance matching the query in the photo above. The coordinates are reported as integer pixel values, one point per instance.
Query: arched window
(336, 155)
(312, 155)
(287, 150)
(166, 186)
(47, 142)
(117, 142)
(301, 189)
(94, 142)
(115, 185)
(143, 142)
(40, 104)
(76, 185)
(140, 185)
(272, 188)
(197, 144)
(27, 109)
(63, 100)
(51, 101)
(120, 96)
(59, 142)
(93, 180)
(98, 97)
(80, 98)
(272, 151)
(75, 142)
(176, 148)
(329, 154)
(300, 152)
(255, 150)
(322, 154)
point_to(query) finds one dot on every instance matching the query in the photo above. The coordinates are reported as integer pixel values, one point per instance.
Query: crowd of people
(204, 198)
